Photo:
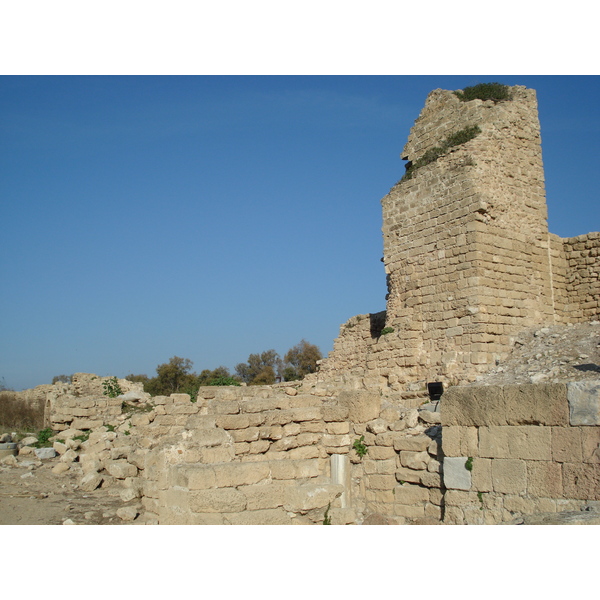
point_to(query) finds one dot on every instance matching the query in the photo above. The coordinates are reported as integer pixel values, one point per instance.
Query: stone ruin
(470, 264)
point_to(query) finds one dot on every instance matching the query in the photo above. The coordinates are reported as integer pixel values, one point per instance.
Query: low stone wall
(513, 450)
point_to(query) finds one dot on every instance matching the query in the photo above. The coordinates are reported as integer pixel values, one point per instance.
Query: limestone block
(278, 417)
(180, 398)
(60, 447)
(336, 440)
(413, 443)
(312, 426)
(362, 406)
(259, 446)
(256, 405)
(342, 516)
(414, 460)
(120, 469)
(436, 496)
(530, 442)
(241, 448)
(140, 420)
(381, 482)
(518, 504)
(45, 453)
(335, 413)
(456, 476)
(306, 413)
(90, 481)
(86, 423)
(584, 402)
(338, 428)
(493, 441)
(380, 497)
(590, 440)
(296, 469)
(567, 444)
(274, 516)
(209, 438)
(69, 456)
(308, 452)
(217, 500)
(509, 476)
(543, 404)
(60, 468)
(263, 496)
(201, 422)
(234, 474)
(461, 498)
(409, 511)
(241, 421)
(381, 467)
(411, 494)
(216, 454)
(430, 417)
(193, 477)
(377, 426)
(286, 443)
(381, 452)
(308, 496)
(245, 435)
(481, 475)
(405, 474)
(383, 439)
(581, 481)
(473, 406)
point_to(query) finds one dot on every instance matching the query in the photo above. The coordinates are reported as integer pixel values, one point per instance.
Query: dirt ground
(33, 495)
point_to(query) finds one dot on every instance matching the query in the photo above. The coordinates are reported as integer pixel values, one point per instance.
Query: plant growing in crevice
(43, 438)
(469, 464)
(360, 446)
(387, 330)
(327, 518)
(456, 139)
(480, 497)
(111, 386)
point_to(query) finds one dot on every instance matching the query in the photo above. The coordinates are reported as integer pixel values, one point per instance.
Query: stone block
(306, 413)
(308, 496)
(404, 474)
(363, 406)
(241, 421)
(409, 511)
(509, 476)
(216, 454)
(481, 475)
(263, 496)
(381, 452)
(590, 441)
(381, 482)
(193, 477)
(530, 442)
(460, 441)
(335, 413)
(567, 444)
(411, 494)
(90, 481)
(180, 398)
(412, 443)
(456, 476)
(518, 504)
(414, 460)
(536, 404)
(259, 446)
(307, 452)
(273, 516)
(581, 481)
(380, 467)
(473, 406)
(217, 500)
(234, 474)
(493, 442)
(584, 402)
(296, 469)
(336, 440)
(338, 428)
(120, 469)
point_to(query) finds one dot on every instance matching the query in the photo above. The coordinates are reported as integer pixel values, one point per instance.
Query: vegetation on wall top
(484, 91)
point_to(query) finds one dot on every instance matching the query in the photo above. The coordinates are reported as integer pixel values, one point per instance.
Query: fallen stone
(29, 441)
(90, 481)
(60, 468)
(9, 461)
(68, 522)
(127, 513)
(69, 456)
(45, 453)
(26, 451)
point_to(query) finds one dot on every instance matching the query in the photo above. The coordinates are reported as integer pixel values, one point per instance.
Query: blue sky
(210, 217)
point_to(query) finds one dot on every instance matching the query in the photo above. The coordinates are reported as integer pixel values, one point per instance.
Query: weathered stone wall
(514, 450)
(467, 253)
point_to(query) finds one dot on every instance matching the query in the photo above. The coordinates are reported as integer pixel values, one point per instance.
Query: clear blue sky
(211, 217)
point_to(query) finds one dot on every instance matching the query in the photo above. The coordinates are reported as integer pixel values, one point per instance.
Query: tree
(260, 368)
(62, 378)
(137, 378)
(172, 377)
(301, 360)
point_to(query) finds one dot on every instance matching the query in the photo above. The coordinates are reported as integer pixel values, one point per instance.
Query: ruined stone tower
(467, 252)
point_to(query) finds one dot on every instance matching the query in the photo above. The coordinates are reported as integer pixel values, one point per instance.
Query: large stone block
(120, 469)
(536, 404)
(567, 444)
(273, 516)
(481, 475)
(530, 442)
(411, 494)
(296, 469)
(217, 500)
(460, 441)
(509, 476)
(263, 495)
(193, 477)
(581, 481)
(544, 479)
(590, 441)
(473, 406)
(456, 476)
(363, 406)
(412, 443)
(584, 402)
(234, 474)
(414, 460)
(306, 497)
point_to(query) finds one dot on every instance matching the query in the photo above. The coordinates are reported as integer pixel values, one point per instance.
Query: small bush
(484, 91)
(387, 330)
(455, 139)
(360, 446)
(111, 386)
(469, 464)
(44, 438)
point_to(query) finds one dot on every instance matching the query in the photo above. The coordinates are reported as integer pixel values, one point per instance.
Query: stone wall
(468, 257)
(514, 450)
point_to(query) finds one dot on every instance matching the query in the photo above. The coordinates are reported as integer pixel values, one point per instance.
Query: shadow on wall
(588, 367)
(377, 321)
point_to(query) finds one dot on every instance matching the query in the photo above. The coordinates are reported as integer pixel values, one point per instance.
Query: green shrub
(469, 464)
(44, 438)
(360, 446)
(455, 139)
(387, 330)
(484, 91)
(111, 386)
